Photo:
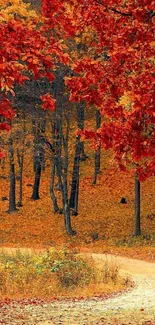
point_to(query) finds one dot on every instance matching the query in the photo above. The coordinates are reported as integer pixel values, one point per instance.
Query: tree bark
(137, 207)
(57, 123)
(59, 144)
(20, 163)
(20, 157)
(42, 129)
(37, 158)
(34, 132)
(66, 207)
(35, 194)
(52, 194)
(79, 156)
(75, 178)
(80, 125)
(12, 176)
(97, 151)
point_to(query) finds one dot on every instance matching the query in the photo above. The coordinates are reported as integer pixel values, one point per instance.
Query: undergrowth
(133, 241)
(56, 274)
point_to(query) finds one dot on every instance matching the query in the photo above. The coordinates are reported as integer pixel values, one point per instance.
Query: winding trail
(136, 307)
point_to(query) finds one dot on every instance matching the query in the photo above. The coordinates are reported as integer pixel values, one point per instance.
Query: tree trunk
(75, 179)
(80, 125)
(59, 143)
(20, 202)
(20, 163)
(57, 123)
(98, 151)
(42, 129)
(66, 207)
(2, 143)
(35, 194)
(12, 176)
(34, 132)
(79, 156)
(52, 194)
(137, 206)
(37, 158)
(20, 157)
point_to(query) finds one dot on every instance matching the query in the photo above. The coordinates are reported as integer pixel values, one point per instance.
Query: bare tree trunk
(52, 194)
(42, 129)
(137, 206)
(34, 132)
(37, 158)
(79, 156)
(20, 157)
(98, 151)
(66, 207)
(61, 160)
(75, 178)
(20, 163)
(2, 143)
(57, 124)
(12, 177)
(56, 146)
(53, 171)
(80, 124)
(35, 194)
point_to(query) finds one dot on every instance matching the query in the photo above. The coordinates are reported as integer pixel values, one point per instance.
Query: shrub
(72, 273)
(53, 274)
(49, 272)
(108, 272)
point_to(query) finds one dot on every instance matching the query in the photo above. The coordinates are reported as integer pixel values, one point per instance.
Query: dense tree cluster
(103, 51)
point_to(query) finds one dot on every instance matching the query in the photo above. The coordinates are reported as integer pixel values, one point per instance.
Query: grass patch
(133, 241)
(56, 274)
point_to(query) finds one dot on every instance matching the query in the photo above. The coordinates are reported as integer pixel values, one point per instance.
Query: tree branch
(151, 14)
(127, 14)
(49, 145)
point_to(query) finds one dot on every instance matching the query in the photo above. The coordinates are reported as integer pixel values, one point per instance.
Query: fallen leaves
(100, 211)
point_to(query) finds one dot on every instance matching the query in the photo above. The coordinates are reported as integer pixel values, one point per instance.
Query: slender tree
(79, 156)
(20, 158)
(66, 205)
(38, 163)
(137, 231)
(12, 177)
(75, 178)
(98, 150)
(80, 125)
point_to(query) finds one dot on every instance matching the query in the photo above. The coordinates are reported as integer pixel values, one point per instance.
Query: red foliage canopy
(26, 52)
(123, 64)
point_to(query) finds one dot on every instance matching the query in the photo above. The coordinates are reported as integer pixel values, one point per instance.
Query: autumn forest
(77, 149)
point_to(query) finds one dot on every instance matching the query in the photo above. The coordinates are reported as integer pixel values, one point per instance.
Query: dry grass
(56, 274)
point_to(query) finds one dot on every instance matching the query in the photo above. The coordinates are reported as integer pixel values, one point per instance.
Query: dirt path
(134, 307)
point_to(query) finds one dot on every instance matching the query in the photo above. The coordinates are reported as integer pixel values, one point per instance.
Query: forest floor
(134, 307)
(104, 226)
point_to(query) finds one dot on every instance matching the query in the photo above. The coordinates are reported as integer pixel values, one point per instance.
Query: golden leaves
(125, 100)
(16, 8)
